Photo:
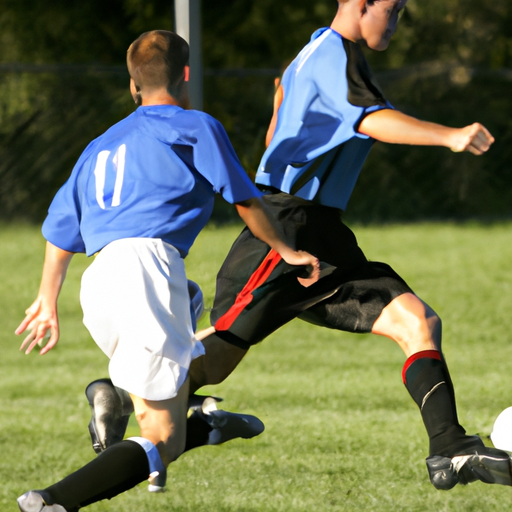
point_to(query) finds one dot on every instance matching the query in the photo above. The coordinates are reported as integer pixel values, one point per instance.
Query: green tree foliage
(63, 81)
(449, 63)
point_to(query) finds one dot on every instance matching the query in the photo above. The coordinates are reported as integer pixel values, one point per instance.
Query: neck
(343, 22)
(159, 100)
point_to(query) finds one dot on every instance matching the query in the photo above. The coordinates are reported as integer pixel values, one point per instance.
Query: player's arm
(278, 99)
(395, 127)
(42, 315)
(262, 226)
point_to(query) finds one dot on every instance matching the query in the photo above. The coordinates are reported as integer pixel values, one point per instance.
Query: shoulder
(326, 42)
(169, 124)
(197, 117)
(194, 118)
(324, 55)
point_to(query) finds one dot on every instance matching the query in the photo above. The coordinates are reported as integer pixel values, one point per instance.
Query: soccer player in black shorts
(328, 112)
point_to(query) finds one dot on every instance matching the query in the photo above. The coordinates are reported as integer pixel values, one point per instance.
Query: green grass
(342, 434)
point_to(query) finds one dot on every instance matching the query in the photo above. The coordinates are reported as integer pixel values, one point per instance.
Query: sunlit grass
(342, 434)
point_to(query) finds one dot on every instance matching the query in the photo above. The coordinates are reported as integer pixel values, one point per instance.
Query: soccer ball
(501, 435)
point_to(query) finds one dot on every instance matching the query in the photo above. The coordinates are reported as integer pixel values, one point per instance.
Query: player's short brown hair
(157, 59)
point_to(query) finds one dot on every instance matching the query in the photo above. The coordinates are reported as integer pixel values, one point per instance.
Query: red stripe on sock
(432, 354)
(245, 296)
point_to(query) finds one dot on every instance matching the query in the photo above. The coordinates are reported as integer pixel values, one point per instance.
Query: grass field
(342, 434)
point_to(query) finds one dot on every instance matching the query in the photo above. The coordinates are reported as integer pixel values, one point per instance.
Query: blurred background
(63, 81)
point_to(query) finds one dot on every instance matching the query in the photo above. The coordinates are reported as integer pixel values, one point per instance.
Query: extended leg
(118, 469)
(125, 464)
(417, 330)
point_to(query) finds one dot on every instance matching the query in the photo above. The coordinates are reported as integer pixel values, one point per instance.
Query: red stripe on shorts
(432, 354)
(245, 296)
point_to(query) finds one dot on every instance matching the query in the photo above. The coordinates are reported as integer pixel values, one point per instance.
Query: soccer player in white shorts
(137, 198)
(328, 113)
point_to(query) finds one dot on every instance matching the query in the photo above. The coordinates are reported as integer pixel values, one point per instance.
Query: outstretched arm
(395, 127)
(42, 315)
(262, 226)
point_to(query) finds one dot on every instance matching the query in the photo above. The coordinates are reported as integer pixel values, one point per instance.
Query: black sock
(427, 379)
(117, 469)
(198, 431)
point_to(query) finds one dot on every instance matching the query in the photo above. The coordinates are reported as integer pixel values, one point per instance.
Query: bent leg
(127, 463)
(163, 423)
(220, 359)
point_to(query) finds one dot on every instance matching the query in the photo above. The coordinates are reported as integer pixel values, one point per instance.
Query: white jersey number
(100, 171)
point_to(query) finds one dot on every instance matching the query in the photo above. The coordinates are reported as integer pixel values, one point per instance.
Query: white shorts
(136, 306)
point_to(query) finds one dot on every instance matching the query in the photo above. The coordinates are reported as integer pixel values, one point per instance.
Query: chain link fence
(48, 114)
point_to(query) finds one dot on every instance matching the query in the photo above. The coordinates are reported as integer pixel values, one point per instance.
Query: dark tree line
(63, 81)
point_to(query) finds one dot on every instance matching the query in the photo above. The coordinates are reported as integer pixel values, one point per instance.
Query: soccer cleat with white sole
(492, 467)
(477, 462)
(37, 501)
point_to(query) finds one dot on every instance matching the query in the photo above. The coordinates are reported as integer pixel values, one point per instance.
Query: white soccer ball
(501, 435)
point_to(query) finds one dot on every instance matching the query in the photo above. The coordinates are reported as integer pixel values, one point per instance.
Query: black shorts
(257, 292)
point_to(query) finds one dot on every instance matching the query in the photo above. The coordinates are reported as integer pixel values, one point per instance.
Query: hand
(303, 258)
(40, 318)
(474, 138)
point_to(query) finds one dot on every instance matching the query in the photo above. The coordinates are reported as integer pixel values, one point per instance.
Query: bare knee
(169, 442)
(411, 323)
(164, 423)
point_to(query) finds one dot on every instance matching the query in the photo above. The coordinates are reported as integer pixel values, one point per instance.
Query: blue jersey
(316, 152)
(152, 175)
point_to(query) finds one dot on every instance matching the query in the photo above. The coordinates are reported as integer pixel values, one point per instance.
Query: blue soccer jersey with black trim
(152, 175)
(316, 151)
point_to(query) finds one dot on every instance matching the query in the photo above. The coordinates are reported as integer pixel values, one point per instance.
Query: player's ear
(135, 92)
(186, 73)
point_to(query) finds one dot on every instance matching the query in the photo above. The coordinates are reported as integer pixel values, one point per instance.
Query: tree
(64, 82)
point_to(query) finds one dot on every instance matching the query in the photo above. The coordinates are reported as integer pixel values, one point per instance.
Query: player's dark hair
(157, 59)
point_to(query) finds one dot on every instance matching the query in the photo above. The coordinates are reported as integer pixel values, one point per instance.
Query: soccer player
(328, 112)
(137, 198)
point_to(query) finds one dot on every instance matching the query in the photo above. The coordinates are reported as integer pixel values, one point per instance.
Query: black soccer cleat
(111, 408)
(476, 462)
(491, 467)
(39, 501)
(228, 425)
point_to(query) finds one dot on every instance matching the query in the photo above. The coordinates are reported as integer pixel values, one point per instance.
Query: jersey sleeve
(215, 159)
(350, 92)
(363, 88)
(62, 224)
